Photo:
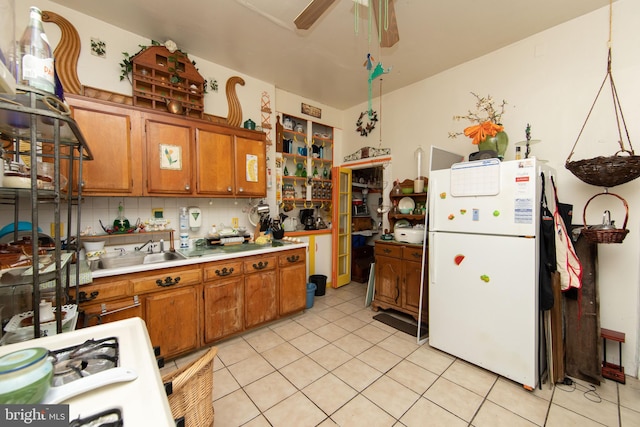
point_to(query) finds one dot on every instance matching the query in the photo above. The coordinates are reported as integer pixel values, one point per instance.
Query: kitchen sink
(162, 257)
(127, 259)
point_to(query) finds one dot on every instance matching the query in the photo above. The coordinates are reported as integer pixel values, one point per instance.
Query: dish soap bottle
(121, 223)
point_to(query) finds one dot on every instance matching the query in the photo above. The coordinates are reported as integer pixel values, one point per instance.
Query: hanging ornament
(369, 62)
(365, 129)
(375, 73)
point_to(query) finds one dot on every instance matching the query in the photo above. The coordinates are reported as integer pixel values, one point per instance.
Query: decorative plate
(406, 203)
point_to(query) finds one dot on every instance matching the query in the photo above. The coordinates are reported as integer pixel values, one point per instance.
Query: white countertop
(143, 401)
(262, 250)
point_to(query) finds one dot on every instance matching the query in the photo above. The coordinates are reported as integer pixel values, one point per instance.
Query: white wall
(550, 80)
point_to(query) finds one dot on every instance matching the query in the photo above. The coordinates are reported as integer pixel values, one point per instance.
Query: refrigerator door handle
(432, 250)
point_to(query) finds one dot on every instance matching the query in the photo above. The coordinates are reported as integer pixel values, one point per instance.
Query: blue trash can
(311, 290)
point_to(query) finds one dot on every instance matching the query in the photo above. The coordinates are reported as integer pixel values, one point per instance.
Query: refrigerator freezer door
(485, 198)
(483, 302)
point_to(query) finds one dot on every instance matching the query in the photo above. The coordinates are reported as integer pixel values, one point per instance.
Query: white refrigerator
(483, 264)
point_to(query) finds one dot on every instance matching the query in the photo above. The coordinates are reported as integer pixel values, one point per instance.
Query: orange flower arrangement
(487, 118)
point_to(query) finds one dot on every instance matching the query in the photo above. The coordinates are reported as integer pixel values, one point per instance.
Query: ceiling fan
(316, 8)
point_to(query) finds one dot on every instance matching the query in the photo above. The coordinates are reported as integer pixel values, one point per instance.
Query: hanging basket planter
(607, 171)
(620, 168)
(605, 233)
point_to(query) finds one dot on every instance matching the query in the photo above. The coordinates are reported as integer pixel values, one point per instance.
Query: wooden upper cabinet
(214, 168)
(113, 136)
(229, 164)
(168, 157)
(251, 167)
(140, 152)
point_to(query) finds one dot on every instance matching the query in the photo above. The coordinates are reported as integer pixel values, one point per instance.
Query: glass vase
(497, 143)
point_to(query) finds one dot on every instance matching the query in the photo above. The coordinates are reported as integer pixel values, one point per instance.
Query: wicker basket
(606, 171)
(192, 396)
(595, 235)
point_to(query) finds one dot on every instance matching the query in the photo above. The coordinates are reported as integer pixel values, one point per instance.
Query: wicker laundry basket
(192, 396)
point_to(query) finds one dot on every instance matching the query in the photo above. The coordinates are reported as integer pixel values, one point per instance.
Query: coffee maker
(306, 218)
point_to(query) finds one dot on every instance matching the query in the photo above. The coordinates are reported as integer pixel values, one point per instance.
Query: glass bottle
(325, 173)
(286, 171)
(121, 223)
(315, 172)
(36, 59)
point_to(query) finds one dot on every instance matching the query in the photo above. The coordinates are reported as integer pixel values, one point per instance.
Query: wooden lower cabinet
(398, 278)
(292, 283)
(188, 307)
(106, 300)
(172, 320)
(260, 291)
(223, 299)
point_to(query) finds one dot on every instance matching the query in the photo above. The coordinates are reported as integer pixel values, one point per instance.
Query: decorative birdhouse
(166, 81)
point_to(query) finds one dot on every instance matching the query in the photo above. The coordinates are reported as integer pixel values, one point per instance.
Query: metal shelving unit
(36, 126)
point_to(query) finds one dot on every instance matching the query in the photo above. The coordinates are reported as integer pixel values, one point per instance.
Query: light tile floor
(335, 365)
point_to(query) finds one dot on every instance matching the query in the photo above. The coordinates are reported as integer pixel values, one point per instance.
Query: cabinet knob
(240, 189)
(82, 184)
(187, 187)
(229, 189)
(293, 258)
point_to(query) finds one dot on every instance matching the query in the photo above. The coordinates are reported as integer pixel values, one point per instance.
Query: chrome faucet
(149, 249)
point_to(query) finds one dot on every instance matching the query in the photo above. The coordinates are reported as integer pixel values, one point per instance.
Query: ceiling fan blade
(311, 13)
(390, 36)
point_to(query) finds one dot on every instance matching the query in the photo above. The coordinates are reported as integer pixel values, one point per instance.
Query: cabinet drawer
(222, 270)
(388, 250)
(163, 279)
(104, 289)
(258, 264)
(412, 253)
(292, 257)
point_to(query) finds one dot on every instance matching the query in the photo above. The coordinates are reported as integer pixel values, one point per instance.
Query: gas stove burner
(108, 418)
(82, 360)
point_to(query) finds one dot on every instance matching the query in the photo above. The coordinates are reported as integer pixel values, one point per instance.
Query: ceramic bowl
(25, 376)
(93, 245)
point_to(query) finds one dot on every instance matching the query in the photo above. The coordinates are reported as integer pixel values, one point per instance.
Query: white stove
(126, 344)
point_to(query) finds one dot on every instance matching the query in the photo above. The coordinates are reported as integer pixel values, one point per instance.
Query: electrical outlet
(157, 213)
(234, 222)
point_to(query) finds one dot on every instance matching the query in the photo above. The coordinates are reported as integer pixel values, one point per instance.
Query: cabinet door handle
(187, 187)
(416, 255)
(168, 281)
(261, 265)
(229, 189)
(293, 258)
(386, 251)
(82, 296)
(241, 189)
(224, 272)
(104, 312)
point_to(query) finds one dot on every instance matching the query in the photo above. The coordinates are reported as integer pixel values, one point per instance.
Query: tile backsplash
(94, 209)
